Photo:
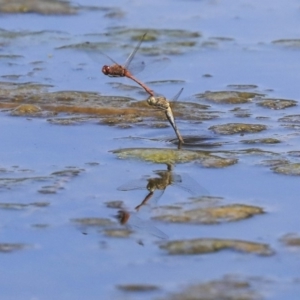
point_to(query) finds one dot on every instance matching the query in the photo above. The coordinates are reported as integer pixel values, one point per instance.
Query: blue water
(59, 260)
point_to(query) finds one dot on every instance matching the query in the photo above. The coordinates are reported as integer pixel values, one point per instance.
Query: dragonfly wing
(190, 185)
(177, 95)
(156, 196)
(138, 224)
(138, 184)
(136, 67)
(131, 56)
(97, 56)
(154, 66)
(176, 178)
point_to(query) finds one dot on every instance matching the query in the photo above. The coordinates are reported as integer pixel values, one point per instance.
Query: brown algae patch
(117, 232)
(241, 113)
(69, 120)
(13, 95)
(234, 128)
(27, 110)
(277, 103)
(104, 225)
(218, 162)
(242, 86)
(165, 156)
(12, 247)
(287, 169)
(116, 204)
(97, 222)
(88, 46)
(227, 288)
(289, 43)
(40, 226)
(166, 81)
(30, 99)
(166, 40)
(193, 111)
(61, 178)
(123, 121)
(10, 182)
(20, 206)
(210, 215)
(154, 34)
(291, 240)
(210, 245)
(45, 7)
(137, 287)
(228, 97)
(295, 119)
(173, 156)
(20, 92)
(274, 162)
(261, 141)
(55, 181)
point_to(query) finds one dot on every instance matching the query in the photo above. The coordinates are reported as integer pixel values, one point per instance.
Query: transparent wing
(175, 98)
(97, 56)
(138, 184)
(154, 66)
(156, 196)
(190, 185)
(138, 224)
(136, 67)
(132, 54)
(176, 178)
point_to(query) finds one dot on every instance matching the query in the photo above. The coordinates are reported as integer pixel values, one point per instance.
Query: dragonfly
(130, 220)
(158, 184)
(117, 70)
(163, 104)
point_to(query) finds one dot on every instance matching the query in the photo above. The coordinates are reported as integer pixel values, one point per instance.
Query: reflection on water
(156, 187)
(158, 184)
(132, 221)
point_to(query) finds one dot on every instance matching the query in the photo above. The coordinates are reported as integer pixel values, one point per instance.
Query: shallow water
(71, 137)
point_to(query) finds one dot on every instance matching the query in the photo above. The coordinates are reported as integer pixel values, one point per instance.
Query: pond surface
(97, 199)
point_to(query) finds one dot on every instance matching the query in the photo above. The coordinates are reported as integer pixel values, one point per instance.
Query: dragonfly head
(106, 70)
(152, 100)
(151, 187)
(123, 216)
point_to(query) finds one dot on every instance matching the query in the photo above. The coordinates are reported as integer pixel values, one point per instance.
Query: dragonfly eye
(105, 70)
(123, 216)
(151, 186)
(151, 100)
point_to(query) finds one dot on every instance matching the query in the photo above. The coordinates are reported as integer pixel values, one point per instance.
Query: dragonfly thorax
(158, 102)
(113, 70)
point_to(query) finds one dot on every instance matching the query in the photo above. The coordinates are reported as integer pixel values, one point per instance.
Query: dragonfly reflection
(131, 221)
(157, 185)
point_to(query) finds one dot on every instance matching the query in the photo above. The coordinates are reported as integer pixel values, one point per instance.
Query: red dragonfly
(117, 70)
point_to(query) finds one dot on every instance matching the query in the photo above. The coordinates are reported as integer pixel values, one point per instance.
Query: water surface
(83, 135)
